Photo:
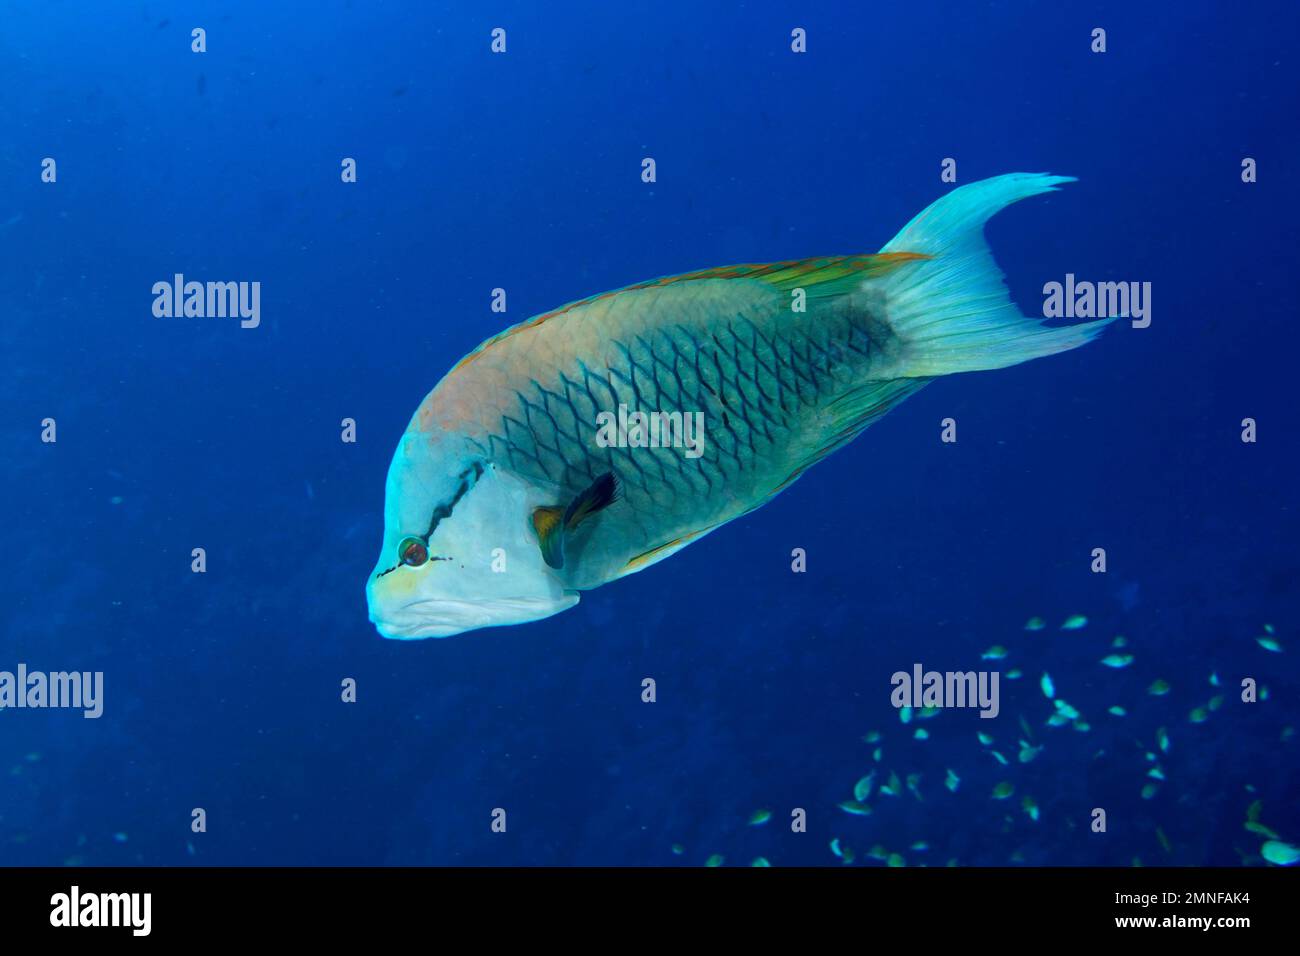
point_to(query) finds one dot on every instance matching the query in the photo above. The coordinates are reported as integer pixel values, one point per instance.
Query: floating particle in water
(1117, 710)
(1035, 624)
(1150, 790)
(862, 789)
(1263, 692)
(1254, 810)
(1030, 806)
(1082, 726)
(1155, 773)
(1015, 673)
(1003, 790)
(189, 848)
(1159, 687)
(1269, 644)
(1057, 720)
(896, 859)
(920, 846)
(926, 713)
(75, 861)
(1268, 629)
(716, 860)
(1216, 702)
(1279, 853)
(984, 738)
(1074, 622)
(1117, 661)
(760, 861)
(1119, 642)
(905, 715)
(1048, 688)
(836, 849)
(999, 758)
(115, 500)
(1065, 710)
(678, 849)
(759, 817)
(1162, 738)
(952, 782)
(1199, 716)
(872, 737)
(855, 808)
(120, 837)
(921, 734)
(1214, 679)
(878, 852)
(849, 856)
(876, 754)
(995, 653)
(1287, 733)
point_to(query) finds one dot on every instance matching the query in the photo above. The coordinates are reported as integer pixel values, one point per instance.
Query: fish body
(711, 349)
(602, 437)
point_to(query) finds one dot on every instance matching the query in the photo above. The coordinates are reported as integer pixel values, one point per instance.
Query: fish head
(459, 551)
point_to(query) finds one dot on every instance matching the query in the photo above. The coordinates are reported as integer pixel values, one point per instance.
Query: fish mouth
(431, 618)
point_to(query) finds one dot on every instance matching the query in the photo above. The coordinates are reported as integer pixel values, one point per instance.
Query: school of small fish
(869, 831)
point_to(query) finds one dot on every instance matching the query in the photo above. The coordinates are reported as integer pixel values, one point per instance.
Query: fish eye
(412, 552)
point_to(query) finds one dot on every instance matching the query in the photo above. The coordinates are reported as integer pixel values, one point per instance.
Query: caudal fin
(951, 311)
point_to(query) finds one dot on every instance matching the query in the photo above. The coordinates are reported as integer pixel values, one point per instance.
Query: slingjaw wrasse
(598, 439)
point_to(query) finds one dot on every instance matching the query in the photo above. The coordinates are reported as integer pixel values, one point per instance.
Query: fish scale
(760, 373)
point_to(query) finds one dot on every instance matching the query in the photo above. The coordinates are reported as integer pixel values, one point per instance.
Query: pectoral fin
(551, 523)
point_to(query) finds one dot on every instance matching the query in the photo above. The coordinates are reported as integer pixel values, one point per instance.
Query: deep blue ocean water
(522, 171)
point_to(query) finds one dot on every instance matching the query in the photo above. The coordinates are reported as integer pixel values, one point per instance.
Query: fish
(1279, 853)
(862, 789)
(594, 441)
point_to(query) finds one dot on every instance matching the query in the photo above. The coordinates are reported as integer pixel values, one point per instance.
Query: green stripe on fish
(735, 380)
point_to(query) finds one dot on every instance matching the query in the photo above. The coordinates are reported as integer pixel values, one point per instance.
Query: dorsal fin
(829, 275)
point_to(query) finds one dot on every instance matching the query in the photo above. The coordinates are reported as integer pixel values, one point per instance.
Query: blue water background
(522, 171)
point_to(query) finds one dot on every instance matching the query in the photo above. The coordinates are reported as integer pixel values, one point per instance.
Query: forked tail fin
(951, 311)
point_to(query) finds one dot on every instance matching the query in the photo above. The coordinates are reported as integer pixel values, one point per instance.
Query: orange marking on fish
(645, 556)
